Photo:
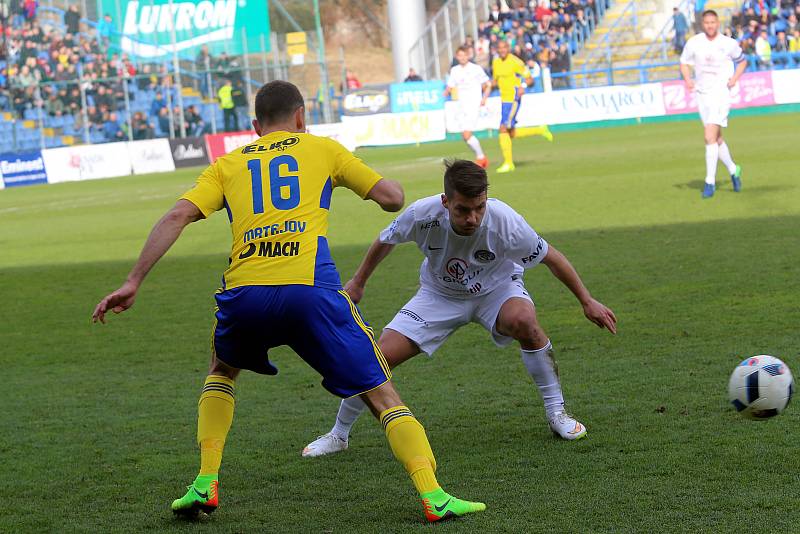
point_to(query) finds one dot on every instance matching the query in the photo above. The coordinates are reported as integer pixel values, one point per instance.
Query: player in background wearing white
(472, 86)
(476, 249)
(713, 56)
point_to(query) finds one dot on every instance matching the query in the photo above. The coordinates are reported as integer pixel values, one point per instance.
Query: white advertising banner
(786, 86)
(87, 162)
(151, 155)
(396, 128)
(571, 106)
(335, 131)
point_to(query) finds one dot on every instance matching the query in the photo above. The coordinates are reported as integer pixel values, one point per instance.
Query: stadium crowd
(768, 29)
(543, 33)
(67, 65)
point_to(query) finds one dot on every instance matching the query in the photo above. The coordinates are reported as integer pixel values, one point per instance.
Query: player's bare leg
(215, 415)
(517, 319)
(410, 446)
(712, 134)
(475, 145)
(397, 349)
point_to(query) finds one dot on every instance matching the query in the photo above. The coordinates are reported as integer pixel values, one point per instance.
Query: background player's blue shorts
(321, 325)
(508, 113)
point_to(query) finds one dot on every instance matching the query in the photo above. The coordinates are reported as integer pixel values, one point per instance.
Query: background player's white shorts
(714, 107)
(467, 116)
(429, 318)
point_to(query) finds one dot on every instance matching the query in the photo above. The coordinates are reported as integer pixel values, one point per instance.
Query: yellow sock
(410, 446)
(505, 148)
(531, 130)
(214, 417)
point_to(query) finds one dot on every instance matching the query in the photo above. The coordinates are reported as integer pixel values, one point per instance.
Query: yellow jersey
(277, 192)
(509, 73)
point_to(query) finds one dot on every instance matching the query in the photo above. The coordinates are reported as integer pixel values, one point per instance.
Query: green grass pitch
(98, 422)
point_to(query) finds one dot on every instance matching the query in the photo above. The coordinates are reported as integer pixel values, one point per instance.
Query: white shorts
(429, 318)
(714, 107)
(467, 114)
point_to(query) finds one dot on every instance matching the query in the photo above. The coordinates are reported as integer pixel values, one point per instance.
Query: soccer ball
(761, 387)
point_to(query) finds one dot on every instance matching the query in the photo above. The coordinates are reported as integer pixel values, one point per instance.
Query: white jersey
(712, 61)
(468, 82)
(465, 266)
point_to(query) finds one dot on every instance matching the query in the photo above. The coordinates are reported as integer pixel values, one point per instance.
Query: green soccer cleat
(505, 167)
(439, 505)
(203, 496)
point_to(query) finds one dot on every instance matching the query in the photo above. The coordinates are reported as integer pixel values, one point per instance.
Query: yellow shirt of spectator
(509, 73)
(277, 192)
(225, 95)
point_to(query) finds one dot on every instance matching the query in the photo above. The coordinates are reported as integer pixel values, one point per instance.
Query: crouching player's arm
(595, 311)
(161, 238)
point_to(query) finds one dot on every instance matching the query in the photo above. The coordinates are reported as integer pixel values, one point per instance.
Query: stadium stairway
(633, 42)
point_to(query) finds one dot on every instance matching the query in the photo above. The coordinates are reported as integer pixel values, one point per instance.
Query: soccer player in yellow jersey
(282, 288)
(508, 72)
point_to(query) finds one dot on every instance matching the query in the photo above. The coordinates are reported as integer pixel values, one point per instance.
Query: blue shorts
(321, 325)
(508, 117)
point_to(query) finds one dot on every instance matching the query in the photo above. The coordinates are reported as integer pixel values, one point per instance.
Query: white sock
(712, 155)
(542, 367)
(725, 157)
(349, 410)
(475, 145)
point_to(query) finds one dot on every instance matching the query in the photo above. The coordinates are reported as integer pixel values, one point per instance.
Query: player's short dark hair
(276, 101)
(465, 178)
(464, 48)
(709, 12)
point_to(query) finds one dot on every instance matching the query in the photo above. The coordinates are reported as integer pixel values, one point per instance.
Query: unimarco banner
(144, 28)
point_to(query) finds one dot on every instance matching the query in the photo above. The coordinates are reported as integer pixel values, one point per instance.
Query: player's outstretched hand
(118, 301)
(600, 315)
(355, 291)
(690, 85)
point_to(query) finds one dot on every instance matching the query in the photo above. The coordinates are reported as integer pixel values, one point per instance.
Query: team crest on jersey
(484, 256)
(457, 268)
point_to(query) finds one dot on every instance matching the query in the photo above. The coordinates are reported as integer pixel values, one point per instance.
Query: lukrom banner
(221, 24)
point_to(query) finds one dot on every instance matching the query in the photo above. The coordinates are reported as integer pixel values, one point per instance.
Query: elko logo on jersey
(280, 146)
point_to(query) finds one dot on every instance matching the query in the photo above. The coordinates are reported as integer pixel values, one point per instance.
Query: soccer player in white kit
(713, 56)
(475, 249)
(472, 86)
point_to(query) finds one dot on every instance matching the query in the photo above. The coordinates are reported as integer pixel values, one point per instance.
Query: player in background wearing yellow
(282, 288)
(508, 73)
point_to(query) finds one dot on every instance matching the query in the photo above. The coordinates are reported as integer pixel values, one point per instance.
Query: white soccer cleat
(326, 444)
(565, 426)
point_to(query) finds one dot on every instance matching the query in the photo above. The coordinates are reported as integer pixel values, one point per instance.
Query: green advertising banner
(146, 28)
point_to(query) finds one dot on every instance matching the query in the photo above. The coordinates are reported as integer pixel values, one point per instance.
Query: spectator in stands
(163, 119)
(29, 8)
(681, 26)
(112, 130)
(140, 127)
(561, 65)
(225, 96)
(72, 19)
(195, 125)
(699, 7)
(413, 76)
(203, 64)
(105, 29)
(157, 105)
(54, 106)
(240, 104)
(351, 81)
(764, 50)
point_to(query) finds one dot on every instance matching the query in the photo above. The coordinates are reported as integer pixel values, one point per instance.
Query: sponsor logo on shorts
(485, 256)
(414, 316)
